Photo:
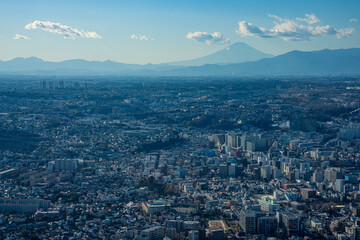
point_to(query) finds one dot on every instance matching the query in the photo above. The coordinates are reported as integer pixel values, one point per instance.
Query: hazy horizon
(142, 32)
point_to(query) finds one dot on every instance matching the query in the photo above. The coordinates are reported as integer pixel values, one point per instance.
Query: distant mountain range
(34, 65)
(324, 62)
(238, 59)
(236, 53)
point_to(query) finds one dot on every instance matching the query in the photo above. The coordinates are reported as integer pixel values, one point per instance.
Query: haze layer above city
(180, 120)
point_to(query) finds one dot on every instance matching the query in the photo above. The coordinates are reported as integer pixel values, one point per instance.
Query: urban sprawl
(179, 158)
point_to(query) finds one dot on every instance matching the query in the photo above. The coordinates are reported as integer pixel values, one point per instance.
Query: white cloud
(310, 19)
(208, 38)
(276, 17)
(353, 20)
(346, 32)
(18, 36)
(300, 29)
(140, 37)
(64, 30)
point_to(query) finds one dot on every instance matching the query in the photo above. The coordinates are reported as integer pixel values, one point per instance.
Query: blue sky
(157, 31)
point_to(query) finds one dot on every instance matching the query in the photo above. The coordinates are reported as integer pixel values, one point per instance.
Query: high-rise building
(61, 84)
(231, 140)
(153, 233)
(65, 165)
(39, 203)
(190, 225)
(176, 224)
(297, 174)
(256, 173)
(291, 222)
(43, 84)
(50, 85)
(217, 234)
(234, 170)
(331, 174)
(291, 176)
(182, 173)
(194, 235)
(267, 225)
(219, 139)
(265, 172)
(304, 167)
(223, 168)
(171, 233)
(340, 185)
(307, 193)
(18, 208)
(318, 177)
(276, 173)
(248, 221)
(350, 132)
(356, 232)
(254, 143)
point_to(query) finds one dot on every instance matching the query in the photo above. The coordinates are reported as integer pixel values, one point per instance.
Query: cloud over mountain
(19, 36)
(208, 38)
(58, 28)
(300, 29)
(139, 37)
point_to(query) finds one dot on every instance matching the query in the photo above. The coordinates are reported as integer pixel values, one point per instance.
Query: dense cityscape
(179, 158)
